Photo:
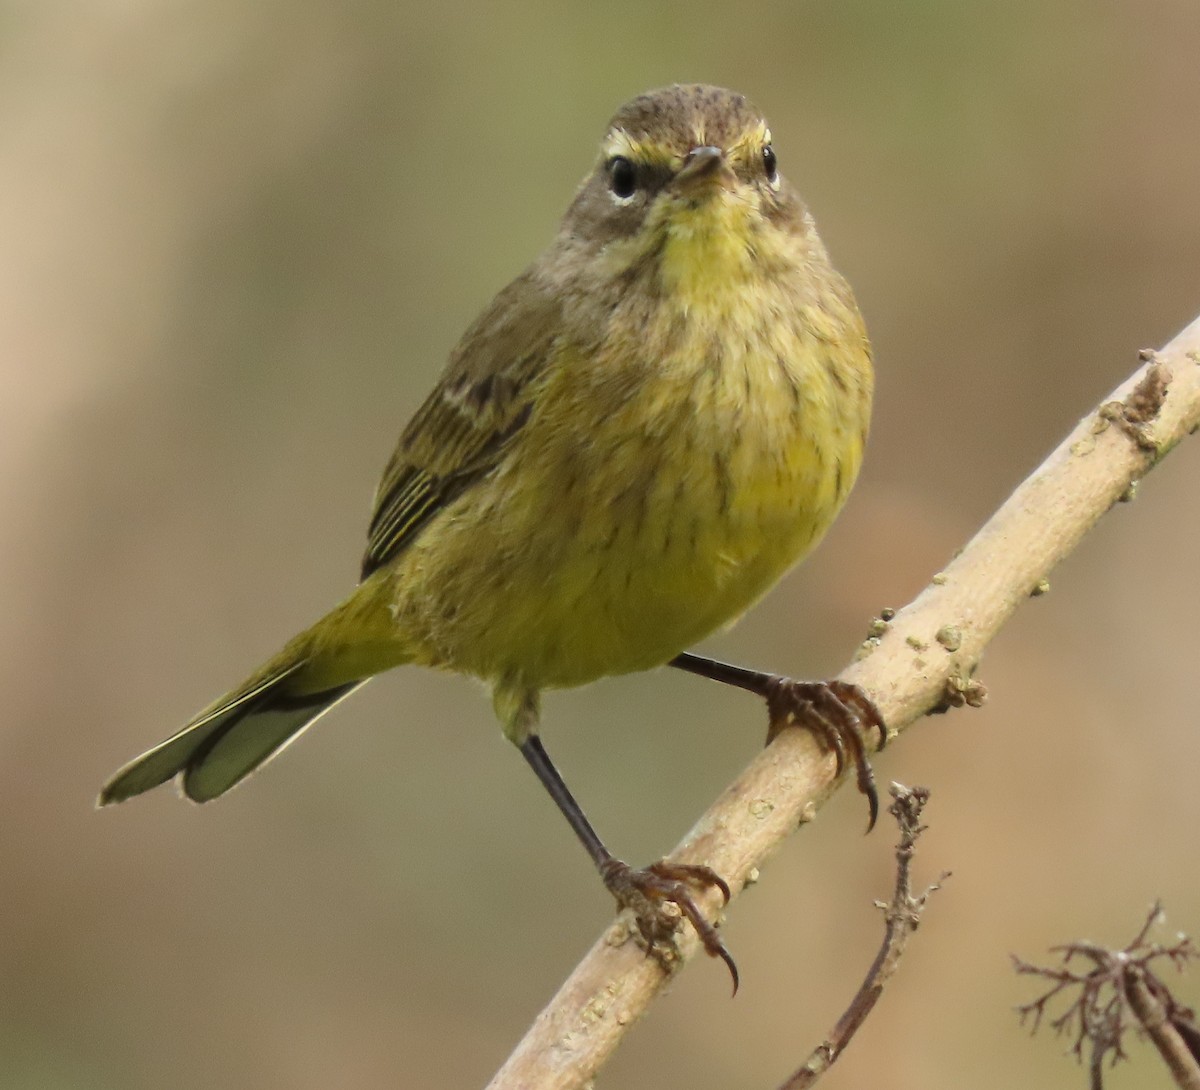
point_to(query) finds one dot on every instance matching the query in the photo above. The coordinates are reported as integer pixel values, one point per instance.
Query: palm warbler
(630, 445)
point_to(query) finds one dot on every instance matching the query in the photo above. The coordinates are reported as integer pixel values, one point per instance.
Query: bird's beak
(704, 169)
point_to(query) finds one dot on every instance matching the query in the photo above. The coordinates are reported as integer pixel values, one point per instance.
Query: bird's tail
(231, 738)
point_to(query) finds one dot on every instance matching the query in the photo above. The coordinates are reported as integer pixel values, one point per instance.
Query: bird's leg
(835, 711)
(642, 890)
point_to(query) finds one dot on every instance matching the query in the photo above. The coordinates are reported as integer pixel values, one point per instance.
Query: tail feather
(231, 754)
(228, 741)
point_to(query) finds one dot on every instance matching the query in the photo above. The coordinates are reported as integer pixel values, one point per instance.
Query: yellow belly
(701, 477)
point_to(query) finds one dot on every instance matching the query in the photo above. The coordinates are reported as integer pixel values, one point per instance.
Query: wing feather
(461, 432)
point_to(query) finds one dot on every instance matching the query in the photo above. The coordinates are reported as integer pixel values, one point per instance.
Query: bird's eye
(770, 164)
(622, 178)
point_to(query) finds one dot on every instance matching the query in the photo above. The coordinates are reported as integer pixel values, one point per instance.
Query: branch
(919, 660)
(902, 916)
(1120, 990)
(1154, 1008)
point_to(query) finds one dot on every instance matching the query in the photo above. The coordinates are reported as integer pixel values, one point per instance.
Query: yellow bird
(627, 449)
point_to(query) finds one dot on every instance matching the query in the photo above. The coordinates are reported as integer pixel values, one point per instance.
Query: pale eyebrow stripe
(754, 137)
(619, 142)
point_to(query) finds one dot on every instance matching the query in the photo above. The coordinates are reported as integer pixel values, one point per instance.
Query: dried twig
(1119, 992)
(903, 916)
(922, 659)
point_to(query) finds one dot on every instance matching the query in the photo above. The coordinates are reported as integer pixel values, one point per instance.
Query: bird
(627, 449)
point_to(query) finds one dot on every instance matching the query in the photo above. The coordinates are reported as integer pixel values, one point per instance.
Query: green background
(238, 242)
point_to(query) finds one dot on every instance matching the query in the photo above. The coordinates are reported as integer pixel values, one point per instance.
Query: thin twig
(902, 915)
(922, 660)
(1119, 992)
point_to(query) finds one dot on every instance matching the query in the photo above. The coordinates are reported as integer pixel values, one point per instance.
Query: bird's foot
(837, 712)
(649, 890)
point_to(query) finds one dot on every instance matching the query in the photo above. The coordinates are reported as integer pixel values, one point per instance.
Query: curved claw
(644, 890)
(731, 965)
(711, 940)
(837, 711)
(692, 872)
(864, 708)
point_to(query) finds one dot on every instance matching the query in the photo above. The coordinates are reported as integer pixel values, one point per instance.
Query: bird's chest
(707, 468)
(739, 476)
(728, 446)
(713, 469)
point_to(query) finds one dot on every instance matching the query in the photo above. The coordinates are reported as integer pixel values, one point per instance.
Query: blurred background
(238, 242)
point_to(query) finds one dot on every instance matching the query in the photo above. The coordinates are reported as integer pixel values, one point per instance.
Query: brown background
(237, 243)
